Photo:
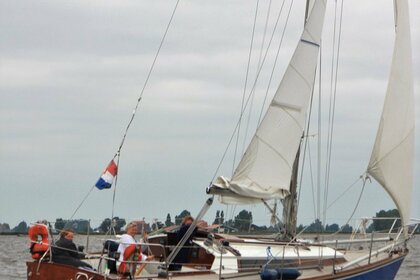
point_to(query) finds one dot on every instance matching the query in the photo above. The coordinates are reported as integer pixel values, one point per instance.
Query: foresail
(266, 167)
(391, 163)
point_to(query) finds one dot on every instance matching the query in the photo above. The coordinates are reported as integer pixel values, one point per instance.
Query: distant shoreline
(13, 233)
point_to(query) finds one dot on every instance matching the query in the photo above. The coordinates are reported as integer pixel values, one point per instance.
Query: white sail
(391, 163)
(266, 167)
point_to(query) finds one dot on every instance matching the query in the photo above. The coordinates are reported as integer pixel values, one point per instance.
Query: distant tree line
(318, 227)
(386, 224)
(21, 228)
(242, 222)
(107, 224)
(78, 226)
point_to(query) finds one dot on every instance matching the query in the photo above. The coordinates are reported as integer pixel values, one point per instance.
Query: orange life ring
(130, 255)
(38, 235)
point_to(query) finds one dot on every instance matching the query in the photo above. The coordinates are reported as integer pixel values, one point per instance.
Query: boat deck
(379, 263)
(319, 272)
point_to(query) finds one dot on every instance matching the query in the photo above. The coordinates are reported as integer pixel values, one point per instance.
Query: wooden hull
(55, 271)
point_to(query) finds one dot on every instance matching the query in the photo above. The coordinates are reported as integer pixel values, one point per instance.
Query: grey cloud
(70, 73)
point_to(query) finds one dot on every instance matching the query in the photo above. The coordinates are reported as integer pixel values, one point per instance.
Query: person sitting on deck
(65, 251)
(126, 244)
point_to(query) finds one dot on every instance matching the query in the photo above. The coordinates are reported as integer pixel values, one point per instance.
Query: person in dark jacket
(66, 252)
(183, 255)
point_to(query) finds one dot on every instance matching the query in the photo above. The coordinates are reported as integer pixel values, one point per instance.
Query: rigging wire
(275, 61)
(258, 66)
(307, 147)
(246, 102)
(312, 180)
(273, 257)
(330, 103)
(81, 203)
(226, 213)
(232, 214)
(344, 192)
(117, 154)
(365, 178)
(267, 17)
(329, 136)
(115, 190)
(148, 76)
(318, 193)
(331, 114)
(245, 85)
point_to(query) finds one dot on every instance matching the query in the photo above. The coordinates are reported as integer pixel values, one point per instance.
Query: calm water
(14, 252)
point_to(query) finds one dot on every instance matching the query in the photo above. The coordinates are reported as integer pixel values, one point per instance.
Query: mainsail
(391, 163)
(265, 170)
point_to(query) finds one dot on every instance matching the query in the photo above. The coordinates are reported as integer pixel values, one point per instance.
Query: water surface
(14, 252)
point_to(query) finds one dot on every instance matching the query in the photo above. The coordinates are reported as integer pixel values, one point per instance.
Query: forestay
(265, 170)
(391, 163)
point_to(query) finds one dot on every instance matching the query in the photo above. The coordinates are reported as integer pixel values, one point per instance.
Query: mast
(290, 203)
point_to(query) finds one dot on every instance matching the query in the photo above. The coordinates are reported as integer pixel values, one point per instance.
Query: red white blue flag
(107, 177)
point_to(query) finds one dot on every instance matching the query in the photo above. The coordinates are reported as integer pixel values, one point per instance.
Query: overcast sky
(71, 72)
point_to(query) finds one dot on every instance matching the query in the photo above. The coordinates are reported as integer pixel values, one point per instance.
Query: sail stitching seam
(396, 146)
(293, 118)
(300, 75)
(271, 147)
(249, 178)
(309, 34)
(261, 187)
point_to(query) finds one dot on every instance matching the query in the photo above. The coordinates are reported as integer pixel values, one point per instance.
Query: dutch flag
(107, 177)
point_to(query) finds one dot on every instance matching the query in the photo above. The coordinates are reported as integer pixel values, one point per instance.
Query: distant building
(79, 225)
(227, 229)
(4, 228)
(142, 226)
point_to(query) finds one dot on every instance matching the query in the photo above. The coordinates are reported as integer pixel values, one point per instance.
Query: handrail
(380, 239)
(391, 230)
(40, 260)
(367, 256)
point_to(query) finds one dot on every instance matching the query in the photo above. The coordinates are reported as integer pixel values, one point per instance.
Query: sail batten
(391, 162)
(265, 169)
(309, 42)
(285, 105)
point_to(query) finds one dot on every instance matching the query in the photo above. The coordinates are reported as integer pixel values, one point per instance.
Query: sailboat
(268, 170)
